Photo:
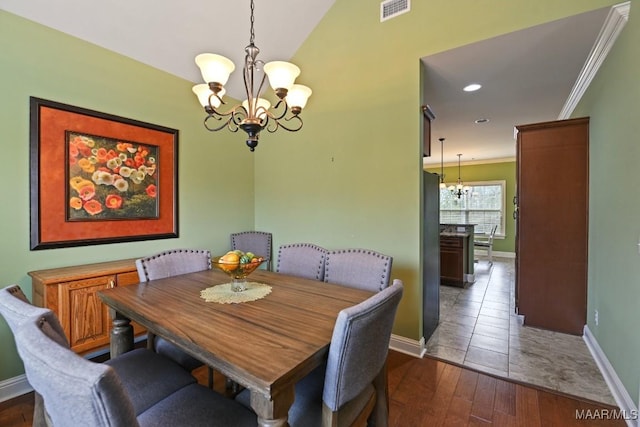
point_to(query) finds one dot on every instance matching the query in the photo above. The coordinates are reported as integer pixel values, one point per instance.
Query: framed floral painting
(97, 178)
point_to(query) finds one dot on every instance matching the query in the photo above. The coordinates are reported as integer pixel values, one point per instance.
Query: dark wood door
(551, 243)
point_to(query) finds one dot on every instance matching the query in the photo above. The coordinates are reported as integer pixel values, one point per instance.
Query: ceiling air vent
(392, 8)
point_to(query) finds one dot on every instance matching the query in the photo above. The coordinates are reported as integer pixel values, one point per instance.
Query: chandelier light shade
(459, 189)
(203, 93)
(215, 68)
(254, 114)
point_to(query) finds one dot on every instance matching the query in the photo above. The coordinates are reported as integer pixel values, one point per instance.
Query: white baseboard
(408, 346)
(14, 387)
(496, 254)
(619, 392)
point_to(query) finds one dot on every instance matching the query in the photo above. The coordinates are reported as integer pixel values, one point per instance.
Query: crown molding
(613, 25)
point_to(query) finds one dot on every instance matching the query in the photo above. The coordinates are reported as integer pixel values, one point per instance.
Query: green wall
(614, 268)
(352, 177)
(216, 190)
(491, 172)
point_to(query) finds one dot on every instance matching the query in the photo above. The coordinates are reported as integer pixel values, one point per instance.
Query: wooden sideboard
(71, 293)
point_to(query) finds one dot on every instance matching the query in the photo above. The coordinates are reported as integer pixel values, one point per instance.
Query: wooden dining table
(265, 345)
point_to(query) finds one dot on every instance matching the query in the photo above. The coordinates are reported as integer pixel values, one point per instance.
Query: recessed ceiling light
(482, 121)
(472, 87)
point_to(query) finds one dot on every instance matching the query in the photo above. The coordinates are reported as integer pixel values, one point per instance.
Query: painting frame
(49, 160)
(428, 117)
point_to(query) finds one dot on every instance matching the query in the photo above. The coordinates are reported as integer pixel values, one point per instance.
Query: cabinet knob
(112, 284)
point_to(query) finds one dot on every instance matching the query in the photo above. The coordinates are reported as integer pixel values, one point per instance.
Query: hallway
(478, 329)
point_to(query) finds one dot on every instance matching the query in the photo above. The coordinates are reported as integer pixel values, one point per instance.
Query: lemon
(229, 261)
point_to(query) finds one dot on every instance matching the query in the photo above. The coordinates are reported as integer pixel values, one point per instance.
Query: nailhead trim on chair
(306, 245)
(264, 233)
(385, 273)
(161, 254)
(233, 236)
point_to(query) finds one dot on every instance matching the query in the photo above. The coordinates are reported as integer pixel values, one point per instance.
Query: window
(483, 205)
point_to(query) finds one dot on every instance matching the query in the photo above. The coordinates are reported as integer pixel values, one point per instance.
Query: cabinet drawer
(451, 242)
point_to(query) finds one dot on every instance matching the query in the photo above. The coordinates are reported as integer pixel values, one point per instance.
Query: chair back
(168, 264)
(173, 263)
(76, 392)
(302, 260)
(493, 233)
(487, 237)
(16, 308)
(359, 346)
(258, 242)
(358, 268)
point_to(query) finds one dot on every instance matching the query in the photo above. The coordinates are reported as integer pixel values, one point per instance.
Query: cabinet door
(451, 261)
(85, 318)
(552, 224)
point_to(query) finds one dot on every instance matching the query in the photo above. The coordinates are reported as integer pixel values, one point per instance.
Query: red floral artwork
(111, 179)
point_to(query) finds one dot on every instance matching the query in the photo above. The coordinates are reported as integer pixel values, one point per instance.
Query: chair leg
(151, 341)
(210, 377)
(232, 387)
(490, 250)
(380, 414)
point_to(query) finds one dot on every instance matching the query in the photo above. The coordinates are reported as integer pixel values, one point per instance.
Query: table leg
(273, 412)
(121, 335)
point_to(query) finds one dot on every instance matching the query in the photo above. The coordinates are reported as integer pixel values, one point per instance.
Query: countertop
(454, 234)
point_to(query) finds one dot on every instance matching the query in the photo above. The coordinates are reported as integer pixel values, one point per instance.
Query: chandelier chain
(252, 33)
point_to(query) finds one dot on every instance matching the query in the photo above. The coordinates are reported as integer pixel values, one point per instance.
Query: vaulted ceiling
(526, 76)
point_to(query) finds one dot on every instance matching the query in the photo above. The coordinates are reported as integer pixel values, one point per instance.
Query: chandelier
(254, 114)
(442, 184)
(459, 189)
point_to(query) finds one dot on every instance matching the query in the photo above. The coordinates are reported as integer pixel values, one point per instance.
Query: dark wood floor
(428, 392)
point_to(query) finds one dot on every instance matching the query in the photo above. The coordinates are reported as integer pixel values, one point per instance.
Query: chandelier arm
(248, 81)
(235, 116)
(218, 98)
(238, 114)
(224, 124)
(219, 114)
(287, 128)
(284, 112)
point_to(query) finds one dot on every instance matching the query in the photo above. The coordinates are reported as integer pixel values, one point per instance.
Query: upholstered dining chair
(167, 264)
(17, 309)
(150, 390)
(302, 260)
(352, 387)
(258, 242)
(358, 268)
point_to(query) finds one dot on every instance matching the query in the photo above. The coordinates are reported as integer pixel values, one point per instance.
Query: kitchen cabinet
(552, 164)
(453, 259)
(70, 292)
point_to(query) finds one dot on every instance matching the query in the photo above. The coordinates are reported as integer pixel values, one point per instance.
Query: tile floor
(479, 329)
